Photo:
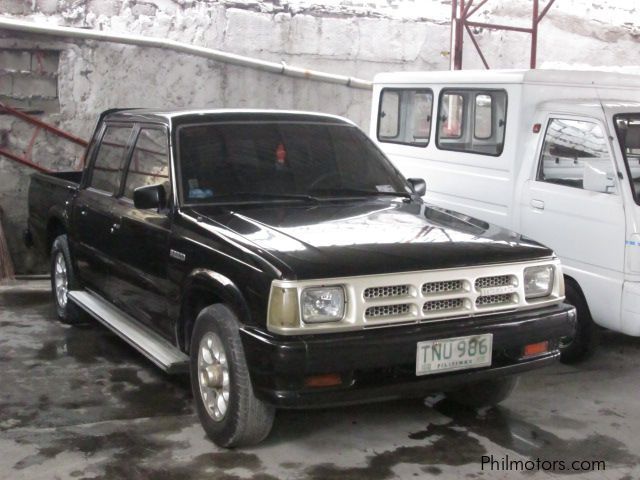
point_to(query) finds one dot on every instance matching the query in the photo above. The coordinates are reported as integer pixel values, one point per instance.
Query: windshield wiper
(360, 192)
(243, 196)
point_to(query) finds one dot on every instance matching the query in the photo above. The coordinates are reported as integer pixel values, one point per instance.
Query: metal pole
(217, 55)
(452, 36)
(458, 32)
(534, 35)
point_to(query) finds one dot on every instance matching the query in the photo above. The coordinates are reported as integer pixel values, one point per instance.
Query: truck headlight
(322, 304)
(538, 281)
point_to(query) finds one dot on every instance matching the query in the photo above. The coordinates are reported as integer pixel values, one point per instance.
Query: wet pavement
(77, 402)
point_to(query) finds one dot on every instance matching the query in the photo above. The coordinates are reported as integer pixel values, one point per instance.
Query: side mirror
(595, 180)
(419, 185)
(151, 196)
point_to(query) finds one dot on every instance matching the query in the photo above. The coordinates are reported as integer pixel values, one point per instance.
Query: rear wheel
(229, 411)
(63, 279)
(587, 335)
(486, 393)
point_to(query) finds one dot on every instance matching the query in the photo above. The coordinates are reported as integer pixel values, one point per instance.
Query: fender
(212, 287)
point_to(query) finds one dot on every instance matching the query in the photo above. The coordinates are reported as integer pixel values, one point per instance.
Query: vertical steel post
(534, 35)
(457, 30)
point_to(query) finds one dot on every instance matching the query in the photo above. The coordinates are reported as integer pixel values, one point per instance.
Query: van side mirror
(150, 196)
(595, 180)
(419, 185)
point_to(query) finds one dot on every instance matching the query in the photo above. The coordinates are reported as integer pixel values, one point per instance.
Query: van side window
(107, 168)
(405, 116)
(575, 154)
(472, 121)
(149, 162)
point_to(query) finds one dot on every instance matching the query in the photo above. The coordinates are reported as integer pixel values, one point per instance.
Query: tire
(587, 335)
(63, 279)
(217, 356)
(486, 393)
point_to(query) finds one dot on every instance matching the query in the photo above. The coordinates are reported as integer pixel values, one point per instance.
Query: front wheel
(486, 393)
(63, 279)
(230, 413)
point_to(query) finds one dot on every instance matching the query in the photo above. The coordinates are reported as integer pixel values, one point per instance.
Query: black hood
(337, 239)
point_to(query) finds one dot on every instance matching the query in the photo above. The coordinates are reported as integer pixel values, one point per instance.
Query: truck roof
(552, 77)
(182, 116)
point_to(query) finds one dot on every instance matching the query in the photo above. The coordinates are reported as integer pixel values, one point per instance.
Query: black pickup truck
(285, 263)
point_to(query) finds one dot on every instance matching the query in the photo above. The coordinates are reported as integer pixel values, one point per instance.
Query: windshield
(281, 160)
(628, 128)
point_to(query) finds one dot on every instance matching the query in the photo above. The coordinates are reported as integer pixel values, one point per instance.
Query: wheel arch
(569, 280)
(202, 288)
(56, 226)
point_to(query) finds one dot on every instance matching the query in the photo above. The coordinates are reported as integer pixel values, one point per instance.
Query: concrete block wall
(349, 37)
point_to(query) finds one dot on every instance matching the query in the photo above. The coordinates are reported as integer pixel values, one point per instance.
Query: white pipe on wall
(218, 55)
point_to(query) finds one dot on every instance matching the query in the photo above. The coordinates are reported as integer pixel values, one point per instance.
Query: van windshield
(284, 161)
(628, 129)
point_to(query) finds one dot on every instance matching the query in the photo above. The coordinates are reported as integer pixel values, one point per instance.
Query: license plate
(449, 354)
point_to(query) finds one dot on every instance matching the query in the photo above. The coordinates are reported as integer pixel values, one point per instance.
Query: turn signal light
(328, 380)
(534, 349)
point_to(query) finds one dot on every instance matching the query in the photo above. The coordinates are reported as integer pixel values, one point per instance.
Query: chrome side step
(150, 344)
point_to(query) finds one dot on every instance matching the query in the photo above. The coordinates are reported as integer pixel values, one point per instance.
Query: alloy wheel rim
(213, 376)
(61, 280)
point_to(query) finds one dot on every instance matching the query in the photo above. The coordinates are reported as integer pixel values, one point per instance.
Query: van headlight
(538, 281)
(322, 304)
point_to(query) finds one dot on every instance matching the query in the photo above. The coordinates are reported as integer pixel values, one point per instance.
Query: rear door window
(405, 116)
(109, 160)
(149, 163)
(472, 121)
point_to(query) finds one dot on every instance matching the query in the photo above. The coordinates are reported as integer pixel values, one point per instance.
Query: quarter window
(473, 121)
(107, 168)
(405, 116)
(149, 162)
(575, 154)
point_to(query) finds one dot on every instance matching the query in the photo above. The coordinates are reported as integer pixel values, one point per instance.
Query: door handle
(537, 204)
(115, 227)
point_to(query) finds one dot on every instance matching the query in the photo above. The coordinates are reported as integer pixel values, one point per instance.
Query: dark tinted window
(107, 168)
(149, 161)
(280, 158)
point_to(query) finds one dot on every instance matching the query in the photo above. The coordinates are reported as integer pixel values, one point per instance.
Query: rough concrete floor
(79, 403)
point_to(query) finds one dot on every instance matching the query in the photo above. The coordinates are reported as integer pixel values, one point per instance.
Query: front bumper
(380, 364)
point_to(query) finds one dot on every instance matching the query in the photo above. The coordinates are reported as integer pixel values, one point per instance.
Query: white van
(554, 155)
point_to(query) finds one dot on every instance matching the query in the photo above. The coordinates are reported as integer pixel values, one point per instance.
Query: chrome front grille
(387, 292)
(447, 286)
(441, 295)
(496, 281)
(501, 299)
(388, 310)
(447, 304)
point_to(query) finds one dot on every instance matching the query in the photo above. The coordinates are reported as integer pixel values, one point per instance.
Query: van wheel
(63, 279)
(230, 413)
(486, 393)
(587, 335)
